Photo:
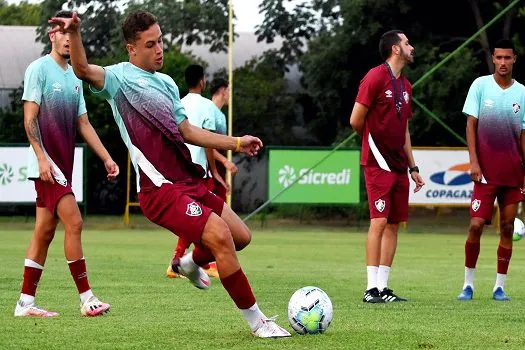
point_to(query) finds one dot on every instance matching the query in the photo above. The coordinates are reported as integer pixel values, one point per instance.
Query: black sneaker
(372, 296)
(388, 296)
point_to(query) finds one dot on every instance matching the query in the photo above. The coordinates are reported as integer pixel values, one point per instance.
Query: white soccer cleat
(269, 329)
(31, 310)
(94, 307)
(197, 277)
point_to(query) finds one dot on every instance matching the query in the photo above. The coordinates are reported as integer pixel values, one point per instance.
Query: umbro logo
(489, 103)
(57, 87)
(62, 182)
(388, 94)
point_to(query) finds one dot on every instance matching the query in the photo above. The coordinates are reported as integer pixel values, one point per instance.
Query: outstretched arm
(204, 138)
(91, 73)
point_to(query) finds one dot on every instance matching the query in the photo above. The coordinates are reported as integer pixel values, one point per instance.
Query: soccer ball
(519, 230)
(310, 310)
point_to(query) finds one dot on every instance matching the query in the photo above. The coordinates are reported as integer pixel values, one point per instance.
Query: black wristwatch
(414, 168)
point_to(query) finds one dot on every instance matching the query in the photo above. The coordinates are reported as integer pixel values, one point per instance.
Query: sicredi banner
(335, 181)
(15, 187)
(446, 175)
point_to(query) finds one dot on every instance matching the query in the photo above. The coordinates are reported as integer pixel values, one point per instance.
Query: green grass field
(126, 269)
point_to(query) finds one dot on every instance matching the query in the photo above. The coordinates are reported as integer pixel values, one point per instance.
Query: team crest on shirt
(193, 209)
(77, 89)
(388, 94)
(476, 203)
(515, 108)
(405, 96)
(380, 205)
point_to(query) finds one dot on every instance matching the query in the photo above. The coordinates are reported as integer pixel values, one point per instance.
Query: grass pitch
(126, 268)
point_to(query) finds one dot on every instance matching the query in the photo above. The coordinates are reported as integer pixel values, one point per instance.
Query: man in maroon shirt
(380, 116)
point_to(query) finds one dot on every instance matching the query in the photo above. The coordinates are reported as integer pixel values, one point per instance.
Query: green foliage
(343, 37)
(100, 24)
(22, 14)
(189, 22)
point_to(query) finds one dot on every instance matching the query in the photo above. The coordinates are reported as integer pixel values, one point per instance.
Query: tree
(100, 25)
(22, 14)
(190, 22)
(342, 47)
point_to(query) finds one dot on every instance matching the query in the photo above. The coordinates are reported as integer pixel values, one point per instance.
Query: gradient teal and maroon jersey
(59, 94)
(147, 109)
(501, 118)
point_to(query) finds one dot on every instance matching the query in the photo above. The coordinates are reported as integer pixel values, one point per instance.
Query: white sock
(34, 264)
(382, 277)
(26, 299)
(85, 296)
(469, 278)
(72, 261)
(371, 273)
(253, 316)
(187, 263)
(500, 281)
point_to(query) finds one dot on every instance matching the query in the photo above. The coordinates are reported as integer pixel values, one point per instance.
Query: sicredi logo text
(287, 176)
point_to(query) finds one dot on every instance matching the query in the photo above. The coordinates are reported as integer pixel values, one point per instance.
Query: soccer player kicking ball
(205, 114)
(496, 142)
(54, 108)
(380, 116)
(172, 192)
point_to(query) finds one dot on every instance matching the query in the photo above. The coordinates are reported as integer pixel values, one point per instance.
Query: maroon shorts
(387, 194)
(217, 188)
(48, 195)
(484, 195)
(183, 209)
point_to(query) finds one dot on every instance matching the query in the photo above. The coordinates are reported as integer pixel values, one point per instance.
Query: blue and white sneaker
(499, 295)
(466, 294)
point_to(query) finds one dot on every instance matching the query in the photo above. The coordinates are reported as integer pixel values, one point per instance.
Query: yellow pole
(230, 101)
(128, 189)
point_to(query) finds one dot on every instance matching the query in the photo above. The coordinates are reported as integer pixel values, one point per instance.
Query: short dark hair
(193, 74)
(135, 23)
(387, 40)
(217, 84)
(504, 44)
(63, 14)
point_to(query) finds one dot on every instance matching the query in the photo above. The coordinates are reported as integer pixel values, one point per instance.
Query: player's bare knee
(476, 228)
(243, 240)
(506, 228)
(220, 240)
(46, 234)
(74, 225)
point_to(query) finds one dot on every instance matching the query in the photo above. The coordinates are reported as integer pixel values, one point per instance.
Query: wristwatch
(414, 168)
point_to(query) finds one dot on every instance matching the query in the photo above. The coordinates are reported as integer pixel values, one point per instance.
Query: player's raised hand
(250, 145)
(418, 180)
(112, 169)
(475, 172)
(67, 25)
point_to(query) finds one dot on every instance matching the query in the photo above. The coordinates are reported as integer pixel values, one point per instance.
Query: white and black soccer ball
(519, 230)
(310, 310)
